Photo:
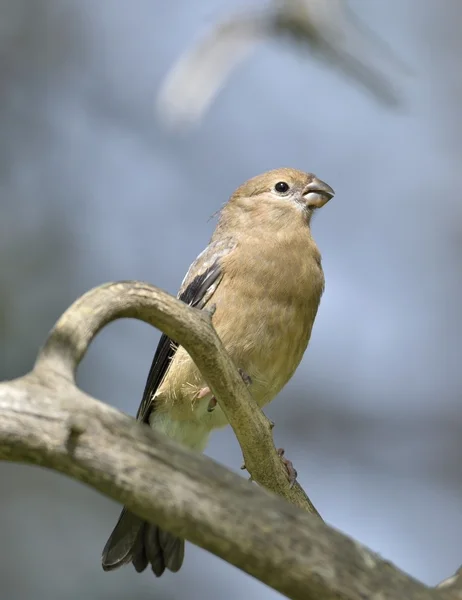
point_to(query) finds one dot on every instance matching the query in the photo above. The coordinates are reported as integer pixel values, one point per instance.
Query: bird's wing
(199, 284)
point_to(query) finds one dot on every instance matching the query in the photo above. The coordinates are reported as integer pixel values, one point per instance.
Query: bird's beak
(317, 193)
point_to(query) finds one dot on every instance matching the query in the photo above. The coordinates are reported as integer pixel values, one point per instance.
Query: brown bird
(262, 272)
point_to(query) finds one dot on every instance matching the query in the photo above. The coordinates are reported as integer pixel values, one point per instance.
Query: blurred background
(94, 187)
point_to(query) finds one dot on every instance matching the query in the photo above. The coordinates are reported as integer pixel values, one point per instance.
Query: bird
(262, 274)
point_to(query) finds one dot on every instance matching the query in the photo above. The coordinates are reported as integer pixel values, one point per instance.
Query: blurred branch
(453, 584)
(46, 420)
(328, 30)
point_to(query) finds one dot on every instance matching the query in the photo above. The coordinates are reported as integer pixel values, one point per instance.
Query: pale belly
(268, 350)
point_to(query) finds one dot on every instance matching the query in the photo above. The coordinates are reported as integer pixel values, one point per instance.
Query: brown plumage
(262, 271)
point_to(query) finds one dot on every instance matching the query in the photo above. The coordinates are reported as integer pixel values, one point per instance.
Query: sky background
(93, 188)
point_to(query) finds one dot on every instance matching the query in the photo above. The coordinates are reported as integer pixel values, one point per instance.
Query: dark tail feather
(134, 540)
(161, 549)
(119, 548)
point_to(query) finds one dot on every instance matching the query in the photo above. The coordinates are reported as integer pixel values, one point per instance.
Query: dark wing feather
(134, 540)
(198, 286)
(164, 353)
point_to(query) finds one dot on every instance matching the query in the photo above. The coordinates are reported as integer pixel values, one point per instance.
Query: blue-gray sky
(94, 188)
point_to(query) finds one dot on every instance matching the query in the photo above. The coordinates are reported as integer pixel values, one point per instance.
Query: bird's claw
(212, 404)
(205, 391)
(245, 377)
(291, 471)
(213, 401)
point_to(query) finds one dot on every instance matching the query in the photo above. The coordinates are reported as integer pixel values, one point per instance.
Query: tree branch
(46, 420)
(453, 584)
(191, 328)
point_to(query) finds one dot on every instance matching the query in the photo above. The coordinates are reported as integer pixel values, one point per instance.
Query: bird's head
(289, 185)
(282, 191)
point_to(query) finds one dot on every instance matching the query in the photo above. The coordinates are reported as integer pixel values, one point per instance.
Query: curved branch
(191, 328)
(45, 421)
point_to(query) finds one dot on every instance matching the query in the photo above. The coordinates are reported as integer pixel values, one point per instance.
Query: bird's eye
(281, 187)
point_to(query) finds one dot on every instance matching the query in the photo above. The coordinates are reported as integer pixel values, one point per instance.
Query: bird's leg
(205, 391)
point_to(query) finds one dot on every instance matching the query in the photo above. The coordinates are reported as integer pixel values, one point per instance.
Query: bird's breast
(265, 309)
(266, 304)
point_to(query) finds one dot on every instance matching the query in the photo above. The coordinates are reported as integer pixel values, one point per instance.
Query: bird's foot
(291, 471)
(205, 391)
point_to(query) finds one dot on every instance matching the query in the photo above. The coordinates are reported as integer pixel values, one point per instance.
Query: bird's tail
(134, 540)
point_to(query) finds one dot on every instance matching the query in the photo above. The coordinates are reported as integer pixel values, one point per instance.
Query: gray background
(93, 188)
